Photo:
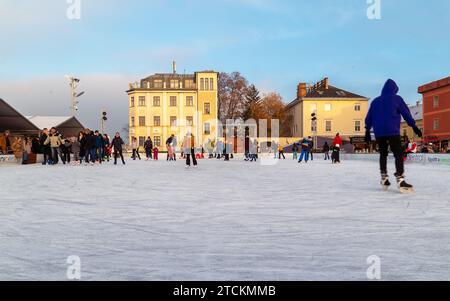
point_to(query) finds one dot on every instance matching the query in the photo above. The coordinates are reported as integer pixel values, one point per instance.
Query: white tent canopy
(66, 125)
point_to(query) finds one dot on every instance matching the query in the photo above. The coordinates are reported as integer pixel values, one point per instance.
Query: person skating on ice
(117, 143)
(189, 149)
(305, 151)
(384, 117)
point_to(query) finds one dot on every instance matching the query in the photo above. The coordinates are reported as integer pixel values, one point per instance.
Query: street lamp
(74, 95)
(314, 127)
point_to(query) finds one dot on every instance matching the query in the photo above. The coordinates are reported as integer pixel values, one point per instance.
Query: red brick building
(436, 111)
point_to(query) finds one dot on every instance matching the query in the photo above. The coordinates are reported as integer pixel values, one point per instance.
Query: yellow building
(171, 103)
(336, 110)
(417, 114)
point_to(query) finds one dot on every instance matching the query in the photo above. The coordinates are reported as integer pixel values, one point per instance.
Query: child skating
(385, 116)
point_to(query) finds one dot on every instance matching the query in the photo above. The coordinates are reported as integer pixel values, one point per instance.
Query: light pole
(74, 95)
(314, 125)
(104, 118)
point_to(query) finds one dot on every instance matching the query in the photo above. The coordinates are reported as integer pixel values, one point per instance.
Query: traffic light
(313, 117)
(105, 116)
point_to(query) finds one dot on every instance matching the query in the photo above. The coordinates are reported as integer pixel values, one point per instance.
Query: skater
(99, 146)
(82, 140)
(326, 151)
(76, 145)
(169, 146)
(295, 151)
(337, 144)
(106, 148)
(189, 149)
(5, 143)
(66, 149)
(135, 148)
(155, 153)
(89, 147)
(385, 116)
(148, 145)
(54, 140)
(45, 148)
(311, 148)
(275, 149)
(305, 151)
(281, 152)
(253, 150)
(118, 144)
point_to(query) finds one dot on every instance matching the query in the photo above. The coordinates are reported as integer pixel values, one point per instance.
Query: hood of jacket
(390, 88)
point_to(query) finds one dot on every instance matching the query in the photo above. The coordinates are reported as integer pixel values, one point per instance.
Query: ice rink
(223, 221)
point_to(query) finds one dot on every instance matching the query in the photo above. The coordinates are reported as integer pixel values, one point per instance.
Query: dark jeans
(281, 154)
(56, 151)
(118, 153)
(395, 144)
(148, 153)
(335, 155)
(327, 155)
(188, 158)
(66, 157)
(90, 155)
(136, 154)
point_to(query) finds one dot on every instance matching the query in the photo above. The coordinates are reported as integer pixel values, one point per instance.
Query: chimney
(174, 67)
(325, 83)
(301, 90)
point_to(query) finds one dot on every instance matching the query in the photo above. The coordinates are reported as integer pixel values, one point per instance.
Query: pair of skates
(401, 184)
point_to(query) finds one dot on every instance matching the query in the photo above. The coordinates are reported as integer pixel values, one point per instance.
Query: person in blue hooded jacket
(384, 117)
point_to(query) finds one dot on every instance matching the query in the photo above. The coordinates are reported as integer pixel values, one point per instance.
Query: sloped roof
(416, 112)
(323, 92)
(55, 121)
(11, 119)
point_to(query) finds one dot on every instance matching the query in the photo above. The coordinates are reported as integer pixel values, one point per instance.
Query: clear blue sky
(274, 44)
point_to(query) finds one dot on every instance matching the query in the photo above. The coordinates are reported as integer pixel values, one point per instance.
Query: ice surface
(223, 221)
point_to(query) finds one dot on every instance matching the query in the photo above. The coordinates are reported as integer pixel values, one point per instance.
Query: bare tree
(232, 91)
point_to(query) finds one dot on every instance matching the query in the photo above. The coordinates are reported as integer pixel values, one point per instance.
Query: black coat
(117, 143)
(90, 141)
(45, 149)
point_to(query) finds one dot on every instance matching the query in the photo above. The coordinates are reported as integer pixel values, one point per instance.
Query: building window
(189, 84)
(141, 120)
(132, 122)
(211, 84)
(436, 124)
(328, 126)
(328, 107)
(313, 108)
(189, 101)
(207, 129)
(141, 141)
(206, 84)
(358, 107)
(174, 84)
(357, 125)
(156, 121)
(202, 84)
(207, 108)
(436, 101)
(132, 102)
(189, 121)
(142, 101)
(173, 101)
(173, 120)
(157, 140)
(156, 101)
(158, 83)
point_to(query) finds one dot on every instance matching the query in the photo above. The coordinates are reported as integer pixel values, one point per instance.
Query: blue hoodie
(386, 111)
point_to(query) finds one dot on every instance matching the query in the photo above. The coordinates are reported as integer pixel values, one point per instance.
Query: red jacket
(337, 140)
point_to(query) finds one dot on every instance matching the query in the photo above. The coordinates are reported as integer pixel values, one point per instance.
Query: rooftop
(434, 85)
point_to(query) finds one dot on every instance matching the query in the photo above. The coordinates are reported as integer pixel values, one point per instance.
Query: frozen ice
(223, 221)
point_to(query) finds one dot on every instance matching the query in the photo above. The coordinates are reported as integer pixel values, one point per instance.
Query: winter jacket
(148, 144)
(326, 148)
(4, 141)
(386, 111)
(134, 144)
(305, 144)
(89, 141)
(337, 141)
(99, 141)
(117, 143)
(53, 140)
(188, 143)
(76, 147)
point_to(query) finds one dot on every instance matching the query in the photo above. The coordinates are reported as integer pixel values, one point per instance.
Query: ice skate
(385, 183)
(403, 186)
